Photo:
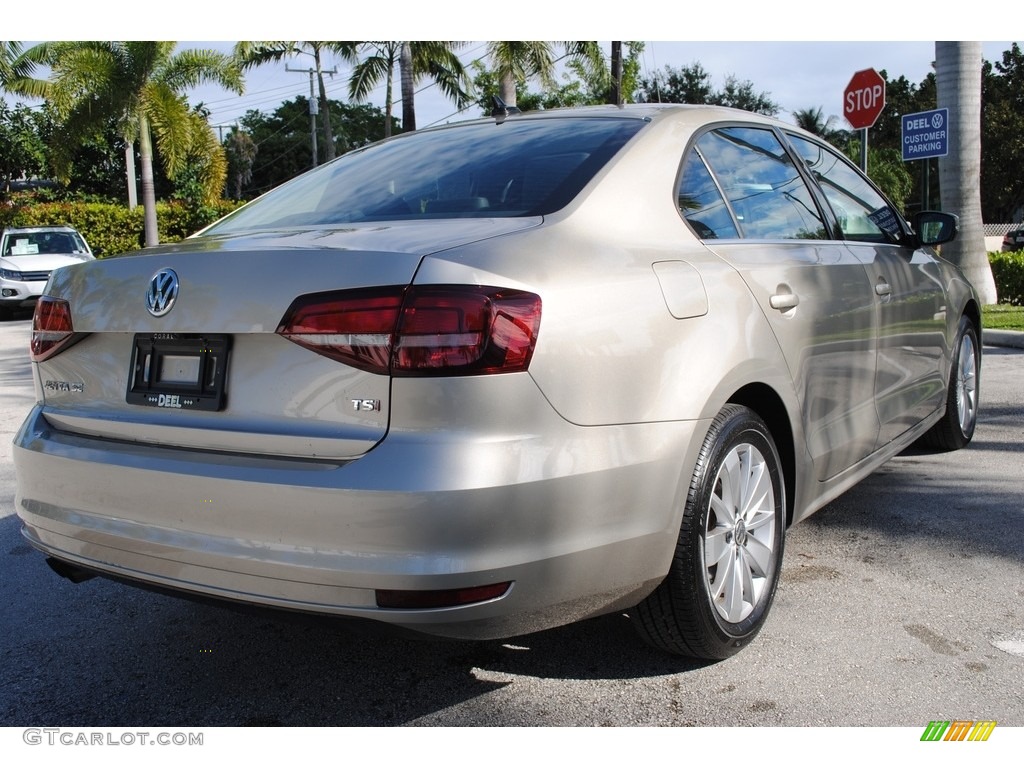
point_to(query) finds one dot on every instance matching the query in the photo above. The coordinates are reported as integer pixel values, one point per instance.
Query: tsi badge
(365, 404)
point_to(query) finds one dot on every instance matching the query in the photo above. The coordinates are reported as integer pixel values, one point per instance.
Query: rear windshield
(481, 170)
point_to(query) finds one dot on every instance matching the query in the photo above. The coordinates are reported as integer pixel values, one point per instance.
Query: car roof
(689, 115)
(56, 228)
(698, 113)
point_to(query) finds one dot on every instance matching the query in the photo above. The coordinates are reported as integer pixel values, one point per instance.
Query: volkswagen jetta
(500, 376)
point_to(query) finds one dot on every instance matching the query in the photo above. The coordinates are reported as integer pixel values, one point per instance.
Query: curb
(993, 338)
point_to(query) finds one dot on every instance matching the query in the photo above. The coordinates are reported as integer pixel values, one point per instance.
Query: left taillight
(51, 328)
(432, 330)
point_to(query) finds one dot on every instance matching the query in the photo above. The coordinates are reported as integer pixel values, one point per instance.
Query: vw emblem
(163, 290)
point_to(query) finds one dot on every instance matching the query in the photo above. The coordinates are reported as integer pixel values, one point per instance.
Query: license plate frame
(179, 371)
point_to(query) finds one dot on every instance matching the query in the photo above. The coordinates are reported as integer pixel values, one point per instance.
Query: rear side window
(768, 197)
(522, 167)
(701, 202)
(862, 213)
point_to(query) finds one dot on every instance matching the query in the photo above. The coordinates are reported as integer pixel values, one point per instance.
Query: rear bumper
(582, 521)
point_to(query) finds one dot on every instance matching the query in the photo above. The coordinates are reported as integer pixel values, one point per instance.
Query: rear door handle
(882, 288)
(783, 301)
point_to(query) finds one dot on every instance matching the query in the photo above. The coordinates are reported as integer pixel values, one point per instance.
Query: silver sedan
(500, 376)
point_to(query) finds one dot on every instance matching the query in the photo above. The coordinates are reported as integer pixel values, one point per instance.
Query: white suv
(28, 255)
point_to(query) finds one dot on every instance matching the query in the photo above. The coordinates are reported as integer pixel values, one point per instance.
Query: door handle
(882, 288)
(783, 301)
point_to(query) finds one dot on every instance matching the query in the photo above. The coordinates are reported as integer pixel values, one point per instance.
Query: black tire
(956, 427)
(697, 611)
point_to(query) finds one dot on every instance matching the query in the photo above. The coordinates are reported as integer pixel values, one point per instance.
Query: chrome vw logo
(163, 290)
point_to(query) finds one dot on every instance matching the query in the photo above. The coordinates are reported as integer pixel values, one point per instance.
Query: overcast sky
(779, 46)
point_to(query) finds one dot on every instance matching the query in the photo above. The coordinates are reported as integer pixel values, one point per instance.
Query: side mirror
(935, 227)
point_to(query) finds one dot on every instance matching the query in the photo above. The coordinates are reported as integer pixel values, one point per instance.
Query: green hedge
(112, 229)
(1008, 273)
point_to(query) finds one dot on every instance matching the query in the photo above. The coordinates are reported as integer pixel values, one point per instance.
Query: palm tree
(252, 54)
(241, 151)
(436, 59)
(139, 84)
(516, 61)
(367, 74)
(814, 121)
(958, 87)
(12, 66)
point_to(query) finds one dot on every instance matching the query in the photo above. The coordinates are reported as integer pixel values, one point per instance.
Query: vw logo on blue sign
(163, 290)
(937, 120)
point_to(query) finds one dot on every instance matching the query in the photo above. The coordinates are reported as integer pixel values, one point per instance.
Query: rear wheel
(956, 427)
(717, 594)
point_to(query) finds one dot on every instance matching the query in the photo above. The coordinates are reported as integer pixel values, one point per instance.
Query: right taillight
(433, 330)
(51, 327)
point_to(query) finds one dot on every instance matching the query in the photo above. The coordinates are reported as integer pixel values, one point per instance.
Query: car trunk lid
(275, 397)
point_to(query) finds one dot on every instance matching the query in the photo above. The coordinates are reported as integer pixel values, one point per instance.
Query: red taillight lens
(437, 330)
(353, 327)
(439, 598)
(466, 329)
(51, 327)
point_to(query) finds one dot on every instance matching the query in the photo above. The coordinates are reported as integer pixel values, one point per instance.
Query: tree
(886, 168)
(813, 120)
(958, 83)
(138, 84)
(436, 59)
(96, 169)
(692, 85)
(587, 80)
(252, 54)
(378, 65)
(282, 139)
(516, 61)
(571, 93)
(241, 151)
(12, 66)
(1002, 138)
(22, 152)
(597, 78)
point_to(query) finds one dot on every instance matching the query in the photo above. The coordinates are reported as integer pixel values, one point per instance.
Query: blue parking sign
(925, 134)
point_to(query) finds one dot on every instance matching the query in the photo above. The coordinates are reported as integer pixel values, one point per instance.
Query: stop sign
(864, 98)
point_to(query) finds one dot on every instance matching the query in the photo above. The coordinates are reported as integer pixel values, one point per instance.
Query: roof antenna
(502, 110)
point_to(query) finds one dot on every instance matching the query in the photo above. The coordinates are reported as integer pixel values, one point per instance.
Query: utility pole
(220, 129)
(313, 109)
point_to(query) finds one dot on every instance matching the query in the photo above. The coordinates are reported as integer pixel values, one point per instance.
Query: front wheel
(717, 594)
(956, 427)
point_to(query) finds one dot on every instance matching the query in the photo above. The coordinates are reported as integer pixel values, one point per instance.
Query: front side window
(863, 214)
(768, 196)
(522, 167)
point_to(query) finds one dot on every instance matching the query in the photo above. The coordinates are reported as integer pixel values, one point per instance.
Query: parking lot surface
(900, 603)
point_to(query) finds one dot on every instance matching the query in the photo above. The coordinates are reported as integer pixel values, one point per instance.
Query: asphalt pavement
(900, 603)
